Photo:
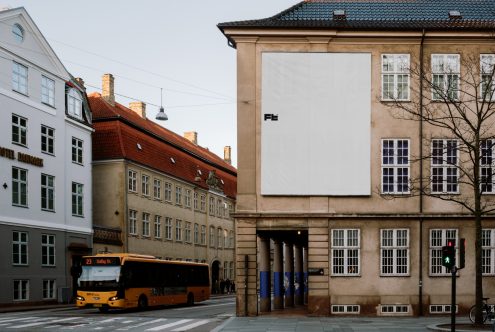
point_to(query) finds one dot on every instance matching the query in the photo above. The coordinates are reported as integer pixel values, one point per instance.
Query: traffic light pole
(452, 305)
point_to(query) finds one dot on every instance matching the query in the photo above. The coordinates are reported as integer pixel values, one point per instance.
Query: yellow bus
(137, 281)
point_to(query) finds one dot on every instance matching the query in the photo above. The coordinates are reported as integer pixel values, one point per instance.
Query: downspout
(126, 208)
(421, 174)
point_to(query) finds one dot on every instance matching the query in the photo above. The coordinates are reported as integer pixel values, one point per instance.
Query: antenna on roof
(161, 114)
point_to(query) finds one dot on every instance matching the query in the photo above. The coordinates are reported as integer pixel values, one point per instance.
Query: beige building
(322, 158)
(156, 192)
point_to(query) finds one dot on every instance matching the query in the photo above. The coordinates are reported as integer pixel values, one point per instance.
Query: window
(187, 231)
(395, 166)
(439, 238)
(158, 227)
(168, 191)
(178, 195)
(345, 309)
(19, 248)
(187, 198)
(196, 234)
(168, 228)
(231, 239)
(203, 203)
(345, 252)
(219, 238)
(49, 289)
(225, 239)
(77, 199)
(444, 172)
(178, 230)
(195, 201)
(146, 224)
(47, 192)
(394, 252)
(21, 290)
(219, 207)
(446, 70)
(395, 76)
(232, 275)
(487, 63)
(19, 187)
(488, 251)
(74, 103)
(47, 139)
(19, 130)
(225, 270)
(18, 32)
(487, 166)
(212, 236)
(47, 91)
(145, 185)
(132, 181)
(203, 234)
(77, 151)
(19, 78)
(212, 206)
(157, 189)
(132, 222)
(47, 250)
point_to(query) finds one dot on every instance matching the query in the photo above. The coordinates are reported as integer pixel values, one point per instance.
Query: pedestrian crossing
(104, 323)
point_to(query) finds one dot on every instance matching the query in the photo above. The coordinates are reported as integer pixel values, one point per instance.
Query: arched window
(18, 33)
(74, 103)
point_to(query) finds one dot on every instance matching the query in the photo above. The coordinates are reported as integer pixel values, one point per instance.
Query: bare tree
(454, 98)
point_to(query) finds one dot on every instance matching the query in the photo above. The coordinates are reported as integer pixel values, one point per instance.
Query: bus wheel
(190, 299)
(142, 302)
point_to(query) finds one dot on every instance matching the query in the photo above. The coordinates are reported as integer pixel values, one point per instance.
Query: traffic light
(448, 255)
(462, 253)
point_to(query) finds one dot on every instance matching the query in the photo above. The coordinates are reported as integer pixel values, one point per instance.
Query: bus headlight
(114, 298)
(79, 298)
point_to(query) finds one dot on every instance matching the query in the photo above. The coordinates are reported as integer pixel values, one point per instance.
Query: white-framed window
(47, 250)
(74, 103)
(187, 198)
(157, 189)
(225, 238)
(21, 290)
(20, 78)
(219, 238)
(145, 185)
(49, 289)
(47, 91)
(395, 76)
(203, 235)
(395, 166)
(438, 239)
(19, 130)
(187, 232)
(77, 199)
(47, 140)
(18, 33)
(77, 151)
(394, 252)
(19, 187)
(487, 166)
(203, 203)
(441, 308)
(178, 195)
(132, 180)
(342, 309)
(212, 236)
(488, 251)
(168, 228)
(47, 192)
(168, 191)
(19, 248)
(219, 208)
(231, 239)
(446, 69)
(146, 224)
(394, 309)
(178, 230)
(158, 227)
(133, 222)
(212, 206)
(195, 201)
(487, 86)
(196, 234)
(444, 162)
(346, 252)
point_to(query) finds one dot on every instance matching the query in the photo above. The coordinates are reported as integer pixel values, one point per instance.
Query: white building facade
(45, 167)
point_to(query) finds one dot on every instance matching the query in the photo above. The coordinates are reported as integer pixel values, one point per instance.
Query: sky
(151, 46)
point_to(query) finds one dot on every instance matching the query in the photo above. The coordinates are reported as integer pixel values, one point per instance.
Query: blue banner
(277, 284)
(264, 284)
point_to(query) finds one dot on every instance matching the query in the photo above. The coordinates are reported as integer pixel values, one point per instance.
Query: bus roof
(143, 258)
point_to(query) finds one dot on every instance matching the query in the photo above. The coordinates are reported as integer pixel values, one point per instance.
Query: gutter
(421, 219)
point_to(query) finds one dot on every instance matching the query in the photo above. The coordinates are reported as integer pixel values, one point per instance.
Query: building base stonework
(319, 305)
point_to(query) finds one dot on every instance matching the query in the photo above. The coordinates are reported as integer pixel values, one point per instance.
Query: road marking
(44, 321)
(193, 325)
(163, 327)
(142, 324)
(207, 306)
(17, 319)
(111, 320)
(127, 321)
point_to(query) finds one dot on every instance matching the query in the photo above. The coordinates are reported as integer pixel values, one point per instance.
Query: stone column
(278, 275)
(305, 274)
(289, 275)
(264, 265)
(298, 273)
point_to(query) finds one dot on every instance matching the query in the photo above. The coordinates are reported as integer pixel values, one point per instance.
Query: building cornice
(320, 215)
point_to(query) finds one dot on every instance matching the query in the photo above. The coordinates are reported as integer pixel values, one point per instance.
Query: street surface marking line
(44, 321)
(206, 306)
(110, 320)
(220, 327)
(16, 319)
(163, 327)
(63, 320)
(142, 324)
(193, 325)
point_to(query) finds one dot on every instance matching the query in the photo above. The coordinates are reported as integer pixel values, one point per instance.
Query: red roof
(122, 134)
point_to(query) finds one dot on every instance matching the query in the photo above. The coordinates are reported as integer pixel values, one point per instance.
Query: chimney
(80, 81)
(139, 108)
(107, 89)
(191, 136)
(226, 154)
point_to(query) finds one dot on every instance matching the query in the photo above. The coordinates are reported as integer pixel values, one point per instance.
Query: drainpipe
(421, 174)
(126, 208)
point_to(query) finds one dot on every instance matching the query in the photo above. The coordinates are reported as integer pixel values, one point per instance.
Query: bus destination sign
(101, 261)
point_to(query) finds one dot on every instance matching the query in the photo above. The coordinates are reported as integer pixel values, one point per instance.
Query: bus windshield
(99, 278)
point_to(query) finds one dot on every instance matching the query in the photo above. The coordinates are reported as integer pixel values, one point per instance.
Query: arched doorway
(215, 276)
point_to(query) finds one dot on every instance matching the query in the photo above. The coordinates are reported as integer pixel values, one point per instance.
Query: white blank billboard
(315, 131)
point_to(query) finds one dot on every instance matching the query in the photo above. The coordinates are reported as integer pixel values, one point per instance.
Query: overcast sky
(153, 44)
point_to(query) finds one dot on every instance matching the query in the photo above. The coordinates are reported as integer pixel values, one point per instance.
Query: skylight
(454, 14)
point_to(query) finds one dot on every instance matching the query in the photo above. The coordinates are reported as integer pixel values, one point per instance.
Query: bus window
(97, 277)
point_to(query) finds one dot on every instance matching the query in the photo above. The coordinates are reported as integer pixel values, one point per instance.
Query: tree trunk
(479, 270)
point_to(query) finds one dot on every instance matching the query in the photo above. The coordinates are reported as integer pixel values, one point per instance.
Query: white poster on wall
(315, 124)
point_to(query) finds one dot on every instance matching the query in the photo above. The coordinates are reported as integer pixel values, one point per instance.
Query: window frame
(21, 194)
(346, 248)
(47, 91)
(168, 228)
(187, 232)
(20, 243)
(168, 192)
(145, 224)
(444, 74)
(47, 191)
(20, 78)
(132, 181)
(488, 251)
(77, 154)
(133, 222)
(187, 198)
(178, 195)
(78, 199)
(47, 140)
(48, 250)
(395, 247)
(491, 75)
(157, 227)
(196, 233)
(157, 189)
(19, 130)
(487, 166)
(396, 72)
(395, 166)
(74, 103)
(49, 289)
(178, 230)
(202, 240)
(444, 166)
(145, 185)
(23, 290)
(435, 250)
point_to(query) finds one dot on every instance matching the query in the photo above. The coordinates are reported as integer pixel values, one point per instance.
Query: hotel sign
(22, 157)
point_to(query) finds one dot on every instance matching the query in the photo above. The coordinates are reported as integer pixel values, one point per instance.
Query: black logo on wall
(272, 117)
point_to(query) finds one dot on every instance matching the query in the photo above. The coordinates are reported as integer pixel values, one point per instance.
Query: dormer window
(339, 14)
(454, 14)
(74, 103)
(18, 33)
